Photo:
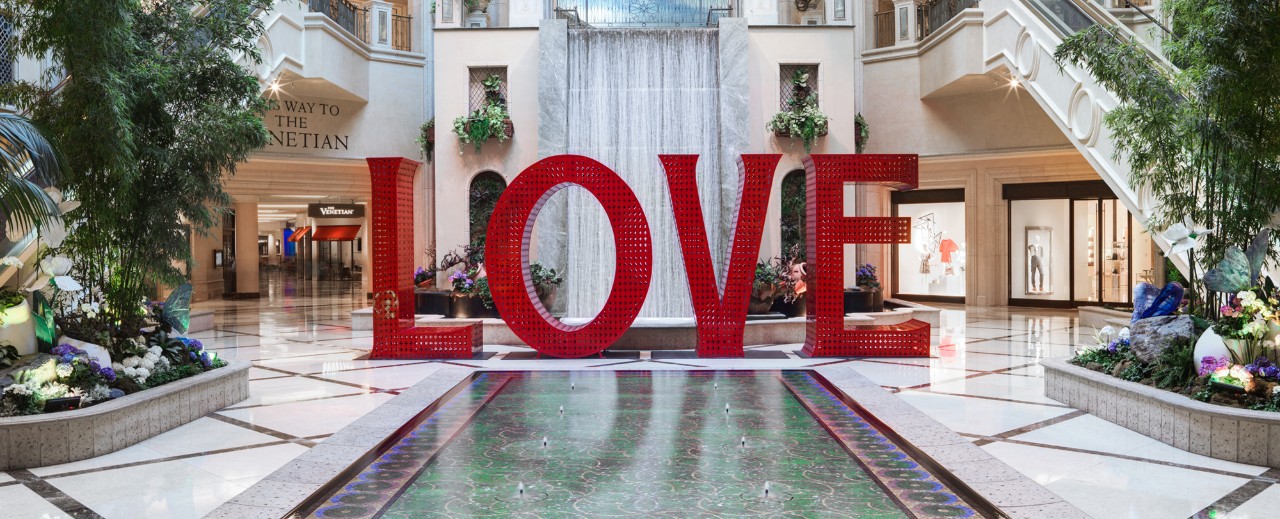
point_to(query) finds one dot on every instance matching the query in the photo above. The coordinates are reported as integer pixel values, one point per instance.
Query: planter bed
(1225, 433)
(62, 437)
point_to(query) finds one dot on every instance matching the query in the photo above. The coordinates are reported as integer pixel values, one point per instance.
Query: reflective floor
(984, 383)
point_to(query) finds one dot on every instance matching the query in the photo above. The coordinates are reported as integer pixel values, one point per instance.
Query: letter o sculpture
(507, 256)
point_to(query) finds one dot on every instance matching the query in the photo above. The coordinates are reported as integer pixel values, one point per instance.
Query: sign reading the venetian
(335, 210)
(720, 314)
(305, 125)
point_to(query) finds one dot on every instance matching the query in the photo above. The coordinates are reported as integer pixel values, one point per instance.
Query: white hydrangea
(18, 389)
(147, 364)
(143, 373)
(131, 362)
(130, 372)
(117, 367)
(150, 357)
(64, 370)
(1124, 333)
(164, 363)
(155, 350)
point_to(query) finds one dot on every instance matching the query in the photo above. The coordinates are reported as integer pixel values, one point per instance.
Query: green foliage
(1175, 367)
(8, 355)
(767, 273)
(22, 201)
(481, 290)
(487, 121)
(863, 133)
(426, 139)
(1203, 394)
(543, 277)
(177, 372)
(1135, 371)
(1203, 138)
(794, 212)
(486, 188)
(1101, 356)
(10, 298)
(158, 113)
(802, 119)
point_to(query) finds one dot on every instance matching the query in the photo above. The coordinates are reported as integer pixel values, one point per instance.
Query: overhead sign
(335, 210)
(300, 125)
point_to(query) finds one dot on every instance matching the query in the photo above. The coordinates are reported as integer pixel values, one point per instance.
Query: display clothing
(1037, 269)
(924, 262)
(946, 248)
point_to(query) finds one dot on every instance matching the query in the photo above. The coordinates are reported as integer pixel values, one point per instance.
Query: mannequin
(1035, 255)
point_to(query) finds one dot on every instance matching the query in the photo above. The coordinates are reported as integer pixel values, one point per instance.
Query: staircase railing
(933, 15)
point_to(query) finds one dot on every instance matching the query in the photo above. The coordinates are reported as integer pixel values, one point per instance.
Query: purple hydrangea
(1210, 364)
(108, 373)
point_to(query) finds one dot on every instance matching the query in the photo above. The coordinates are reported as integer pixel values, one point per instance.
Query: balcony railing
(353, 19)
(356, 20)
(400, 27)
(884, 29)
(933, 15)
(643, 13)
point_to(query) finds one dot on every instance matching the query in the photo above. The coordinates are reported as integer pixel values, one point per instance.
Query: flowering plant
(422, 275)
(866, 277)
(463, 282)
(802, 119)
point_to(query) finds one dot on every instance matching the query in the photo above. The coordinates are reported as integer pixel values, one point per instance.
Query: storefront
(932, 266)
(1073, 244)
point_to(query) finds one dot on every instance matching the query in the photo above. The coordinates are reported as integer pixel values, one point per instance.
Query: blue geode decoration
(1149, 301)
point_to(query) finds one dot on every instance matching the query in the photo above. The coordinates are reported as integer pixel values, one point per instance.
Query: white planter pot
(19, 329)
(1210, 344)
(95, 352)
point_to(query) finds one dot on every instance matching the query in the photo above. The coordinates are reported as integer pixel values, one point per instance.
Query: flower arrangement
(866, 277)
(802, 119)
(70, 372)
(489, 121)
(424, 278)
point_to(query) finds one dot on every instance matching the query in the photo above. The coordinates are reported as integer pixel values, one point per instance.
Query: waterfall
(634, 94)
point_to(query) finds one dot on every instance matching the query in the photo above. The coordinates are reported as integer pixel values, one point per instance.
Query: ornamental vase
(18, 328)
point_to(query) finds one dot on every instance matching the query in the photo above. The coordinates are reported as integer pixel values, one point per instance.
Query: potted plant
(546, 281)
(866, 296)
(489, 121)
(427, 298)
(861, 133)
(427, 139)
(17, 328)
(765, 288)
(802, 119)
(792, 301)
(477, 6)
(464, 302)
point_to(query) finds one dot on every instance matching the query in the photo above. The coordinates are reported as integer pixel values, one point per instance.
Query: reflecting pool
(673, 444)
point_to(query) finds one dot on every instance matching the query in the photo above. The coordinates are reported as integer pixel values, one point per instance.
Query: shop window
(932, 266)
(785, 89)
(476, 85)
(485, 190)
(793, 214)
(1073, 243)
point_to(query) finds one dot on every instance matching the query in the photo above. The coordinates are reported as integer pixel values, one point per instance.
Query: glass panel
(1144, 256)
(1115, 253)
(934, 262)
(1085, 252)
(1039, 245)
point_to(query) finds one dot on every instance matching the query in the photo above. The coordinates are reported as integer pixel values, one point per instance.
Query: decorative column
(246, 247)
(380, 24)
(904, 20)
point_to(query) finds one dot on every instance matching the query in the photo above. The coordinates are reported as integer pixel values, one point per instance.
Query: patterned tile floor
(985, 383)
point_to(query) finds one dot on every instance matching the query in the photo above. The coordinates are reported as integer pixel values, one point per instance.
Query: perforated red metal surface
(828, 230)
(721, 313)
(394, 334)
(507, 256)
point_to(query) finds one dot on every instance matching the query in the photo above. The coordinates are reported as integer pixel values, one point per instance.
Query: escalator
(1020, 37)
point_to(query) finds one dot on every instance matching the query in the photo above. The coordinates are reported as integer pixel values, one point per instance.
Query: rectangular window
(839, 9)
(902, 23)
(478, 75)
(8, 63)
(787, 90)
(446, 12)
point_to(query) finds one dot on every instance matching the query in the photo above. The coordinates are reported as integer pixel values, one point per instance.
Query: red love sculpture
(828, 230)
(721, 317)
(507, 256)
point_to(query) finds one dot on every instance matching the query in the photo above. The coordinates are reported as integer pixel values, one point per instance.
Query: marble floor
(307, 383)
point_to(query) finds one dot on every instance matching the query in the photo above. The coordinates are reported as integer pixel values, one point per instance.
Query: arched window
(485, 190)
(793, 214)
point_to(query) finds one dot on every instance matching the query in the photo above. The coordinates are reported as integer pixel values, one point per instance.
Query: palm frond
(28, 161)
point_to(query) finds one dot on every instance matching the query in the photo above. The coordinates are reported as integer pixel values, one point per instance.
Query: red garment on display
(946, 248)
